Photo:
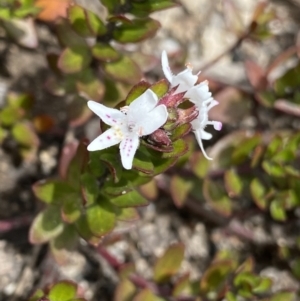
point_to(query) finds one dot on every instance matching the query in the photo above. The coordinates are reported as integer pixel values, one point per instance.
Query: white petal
(185, 80)
(216, 124)
(108, 115)
(198, 94)
(205, 135)
(165, 66)
(105, 140)
(142, 105)
(153, 120)
(198, 136)
(128, 148)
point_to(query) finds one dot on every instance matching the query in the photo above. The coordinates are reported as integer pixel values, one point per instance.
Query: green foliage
(15, 124)
(257, 169)
(61, 291)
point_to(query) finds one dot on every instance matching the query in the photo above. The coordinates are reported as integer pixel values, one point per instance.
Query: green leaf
(263, 287)
(244, 149)
(24, 134)
(115, 189)
(273, 169)
(129, 199)
(75, 59)
(77, 165)
(277, 210)
(246, 281)
(288, 82)
(124, 291)
(142, 161)
(258, 192)
(169, 263)
(104, 52)
(10, 115)
(77, 110)
(95, 165)
(46, 225)
(147, 295)
(5, 13)
(215, 195)
(296, 267)
(124, 69)
(180, 131)
(101, 217)
(109, 159)
(136, 91)
(71, 209)
(89, 86)
(233, 183)
(143, 9)
(162, 164)
(85, 232)
(179, 149)
(3, 134)
(199, 164)
(67, 36)
(62, 245)
(182, 286)
(95, 23)
(180, 189)
(52, 191)
(78, 20)
(230, 297)
(135, 31)
(283, 296)
(266, 98)
(160, 88)
(22, 101)
(37, 295)
(111, 5)
(63, 291)
(273, 147)
(127, 214)
(89, 188)
(149, 190)
(215, 276)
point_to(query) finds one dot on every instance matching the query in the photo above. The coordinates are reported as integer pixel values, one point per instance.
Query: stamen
(140, 131)
(189, 66)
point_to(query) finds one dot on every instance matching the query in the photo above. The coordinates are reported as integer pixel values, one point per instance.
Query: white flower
(198, 94)
(142, 117)
(184, 80)
(199, 124)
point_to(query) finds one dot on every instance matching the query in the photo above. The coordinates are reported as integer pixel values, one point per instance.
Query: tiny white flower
(184, 80)
(198, 94)
(199, 124)
(142, 117)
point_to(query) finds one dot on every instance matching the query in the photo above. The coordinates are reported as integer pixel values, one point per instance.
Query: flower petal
(185, 79)
(105, 140)
(142, 105)
(153, 120)
(165, 66)
(108, 115)
(128, 148)
(198, 94)
(199, 137)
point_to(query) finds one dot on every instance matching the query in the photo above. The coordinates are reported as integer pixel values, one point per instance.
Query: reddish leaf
(287, 107)
(43, 123)
(256, 75)
(52, 9)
